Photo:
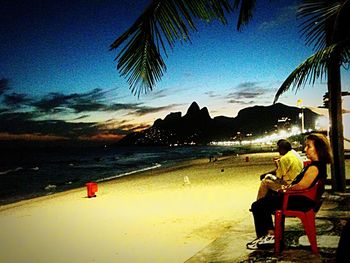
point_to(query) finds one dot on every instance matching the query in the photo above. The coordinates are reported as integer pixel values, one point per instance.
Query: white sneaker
(262, 242)
(254, 244)
(266, 242)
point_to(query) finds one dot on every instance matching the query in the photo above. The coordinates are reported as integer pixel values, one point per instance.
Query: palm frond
(318, 16)
(314, 67)
(341, 24)
(246, 8)
(163, 22)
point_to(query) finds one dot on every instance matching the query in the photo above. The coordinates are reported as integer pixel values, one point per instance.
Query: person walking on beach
(288, 166)
(318, 150)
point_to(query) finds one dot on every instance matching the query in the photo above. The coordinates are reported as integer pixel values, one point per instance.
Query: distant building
(322, 123)
(284, 123)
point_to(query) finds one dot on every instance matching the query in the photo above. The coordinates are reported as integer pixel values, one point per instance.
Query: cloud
(287, 13)
(211, 94)
(23, 123)
(123, 106)
(54, 102)
(127, 128)
(83, 105)
(140, 127)
(36, 115)
(17, 116)
(81, 117)
(15, 100)
(248, 93)
(92, 101)
(241, 102)
(158, 94)
(30, 137)
(248, 85)
(3, 110)
(17, 123)
(121, 126)
(143, 110)
(102, 137)
(3, 86)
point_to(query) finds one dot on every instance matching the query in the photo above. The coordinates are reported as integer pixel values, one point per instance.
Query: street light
(301, 115)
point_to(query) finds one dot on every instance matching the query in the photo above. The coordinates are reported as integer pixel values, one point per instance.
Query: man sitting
(288, 166)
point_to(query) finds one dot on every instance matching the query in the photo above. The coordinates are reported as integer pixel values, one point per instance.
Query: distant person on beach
(288, 166)
(318, 151)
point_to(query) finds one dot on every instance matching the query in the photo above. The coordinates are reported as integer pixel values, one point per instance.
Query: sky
(58, 78)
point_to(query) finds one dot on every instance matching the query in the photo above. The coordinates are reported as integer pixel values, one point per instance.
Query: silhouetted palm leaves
(325, 27)
(162, 24)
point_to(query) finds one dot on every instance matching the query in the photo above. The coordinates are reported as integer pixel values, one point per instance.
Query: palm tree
(326, 27)
(165, 22)
(141, 62)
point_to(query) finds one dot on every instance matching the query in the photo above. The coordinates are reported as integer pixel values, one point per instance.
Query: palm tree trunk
(336, 133)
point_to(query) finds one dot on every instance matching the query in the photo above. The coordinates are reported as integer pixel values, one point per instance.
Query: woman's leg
(268, 184)
(262, 210)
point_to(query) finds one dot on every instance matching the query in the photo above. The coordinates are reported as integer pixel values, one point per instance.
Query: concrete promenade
(333, 214)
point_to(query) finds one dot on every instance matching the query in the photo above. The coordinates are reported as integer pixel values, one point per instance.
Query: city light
(322, 123)
(265, 140)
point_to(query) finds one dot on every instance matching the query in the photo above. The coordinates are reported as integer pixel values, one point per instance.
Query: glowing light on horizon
(322, 123)
(265, 140)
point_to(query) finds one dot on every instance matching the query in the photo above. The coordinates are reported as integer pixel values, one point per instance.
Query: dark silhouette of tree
(325, 25)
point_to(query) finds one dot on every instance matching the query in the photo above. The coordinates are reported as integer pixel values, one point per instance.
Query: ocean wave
(128, 173)
(11, 170)
(50, 187)
(89, 166)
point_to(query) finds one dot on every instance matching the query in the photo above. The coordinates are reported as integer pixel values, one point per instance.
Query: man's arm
(264, 175)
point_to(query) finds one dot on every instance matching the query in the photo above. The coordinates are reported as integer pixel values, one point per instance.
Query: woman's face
(310, 150)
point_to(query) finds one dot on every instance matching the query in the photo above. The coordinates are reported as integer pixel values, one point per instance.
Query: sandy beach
(150, 217)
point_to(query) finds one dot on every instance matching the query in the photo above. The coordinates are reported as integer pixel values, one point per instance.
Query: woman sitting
(317, 149)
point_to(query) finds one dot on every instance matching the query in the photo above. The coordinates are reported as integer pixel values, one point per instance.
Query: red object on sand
(91, 189)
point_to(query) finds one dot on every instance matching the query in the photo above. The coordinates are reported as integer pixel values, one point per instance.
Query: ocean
(31, 172)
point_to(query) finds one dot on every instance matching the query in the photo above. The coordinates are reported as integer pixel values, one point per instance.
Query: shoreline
(158, 167)
(40, 176)
(137, 173)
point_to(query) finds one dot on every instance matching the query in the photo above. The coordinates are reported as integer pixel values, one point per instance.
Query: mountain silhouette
(196, 126)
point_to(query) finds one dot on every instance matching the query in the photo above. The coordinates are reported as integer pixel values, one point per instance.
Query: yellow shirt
(289, 166)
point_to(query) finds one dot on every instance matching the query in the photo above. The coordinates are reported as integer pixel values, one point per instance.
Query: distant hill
(196, 126)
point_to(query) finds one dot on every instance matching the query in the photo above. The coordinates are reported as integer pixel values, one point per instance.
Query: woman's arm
(309, 177)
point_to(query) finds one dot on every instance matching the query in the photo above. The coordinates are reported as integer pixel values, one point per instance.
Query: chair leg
(310, 229)
(278, 230)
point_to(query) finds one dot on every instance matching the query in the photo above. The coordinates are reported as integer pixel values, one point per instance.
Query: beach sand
(150, 217)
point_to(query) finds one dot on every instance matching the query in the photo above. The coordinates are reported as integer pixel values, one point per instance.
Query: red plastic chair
(307, 218)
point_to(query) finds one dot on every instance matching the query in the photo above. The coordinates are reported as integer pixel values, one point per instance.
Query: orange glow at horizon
(47, 138)
(30, 137)
(102, 137)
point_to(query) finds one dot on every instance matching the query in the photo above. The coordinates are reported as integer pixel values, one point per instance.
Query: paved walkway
(230, 247)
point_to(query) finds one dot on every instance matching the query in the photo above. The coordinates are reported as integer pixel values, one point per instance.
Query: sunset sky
(58, 78)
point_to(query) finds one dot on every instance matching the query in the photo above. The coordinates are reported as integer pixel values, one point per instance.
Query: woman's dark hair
(322, 146)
